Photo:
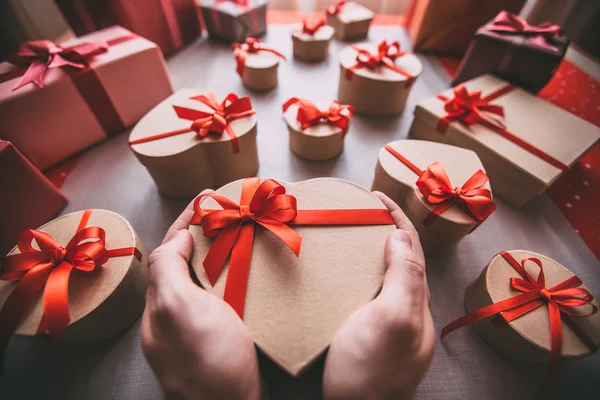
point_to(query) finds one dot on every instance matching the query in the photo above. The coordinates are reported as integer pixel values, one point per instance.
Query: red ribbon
(50, 268)
(437, 190)
(386, 54)
(251, 46)
(559, 298)
(336, 8)
(309, 115)
(205, 123)
(268, 205)
(506, 22)
(311, 27)
(469, 108)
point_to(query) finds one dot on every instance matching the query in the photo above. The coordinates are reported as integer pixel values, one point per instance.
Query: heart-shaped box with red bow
(311, 40)
(193, 141)
(304, 256)
(317, 131)
(442, 189)
(376, 78)
(524, 142)
(257, 64)
(350, 20)
(80, 279)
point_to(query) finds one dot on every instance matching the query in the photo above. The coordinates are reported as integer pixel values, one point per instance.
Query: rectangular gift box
(517, 173)
(447, 26)
(517, 58)
(170, 24)
(234, 20)
(75, 110)
(29, 199)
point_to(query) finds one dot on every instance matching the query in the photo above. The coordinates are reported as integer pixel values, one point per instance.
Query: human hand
(384, 349)
(195, 343)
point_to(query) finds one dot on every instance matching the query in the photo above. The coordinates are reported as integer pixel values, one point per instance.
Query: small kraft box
(306, 255)
(376, 78)
(80, 279)
(532, 309)
(420, 177)
(234, 20)
(350, 20)
(55, 101)
(524, 142)
(257, 64)
(192, 141)
(510, 48)
(311, 40)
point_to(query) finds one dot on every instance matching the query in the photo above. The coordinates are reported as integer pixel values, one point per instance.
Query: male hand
(195, 343)
(384, 349)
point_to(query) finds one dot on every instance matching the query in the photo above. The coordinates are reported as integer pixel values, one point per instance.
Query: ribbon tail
(219, 251)
(56, 302)
(289, 236)
(235, 143)
(239, 269)
(555, 346)
(35, 73)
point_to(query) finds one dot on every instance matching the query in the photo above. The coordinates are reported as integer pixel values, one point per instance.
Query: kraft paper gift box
(192, 141)
(317, 132)
(524, 142)
(350, 20)
(79, 279)
(257, 64)
(118, 77)
(532, 309)
(376, 78)
(170, 24)
(442, 189)
(30, 200)
(307, 255)
(311, 40)
(234, 20)
(447, 26)
(522, 54)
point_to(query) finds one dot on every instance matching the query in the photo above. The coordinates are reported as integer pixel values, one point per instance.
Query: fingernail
(403, 237)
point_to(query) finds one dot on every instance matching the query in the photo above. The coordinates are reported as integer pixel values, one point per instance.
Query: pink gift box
(28, 198)
(77, 108)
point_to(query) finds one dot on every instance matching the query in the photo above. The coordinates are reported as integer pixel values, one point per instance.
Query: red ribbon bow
(251, 46)
(268, 205)
(311, 27)
(507, 22)
(205, 123)
(51, 266)
(559, 298)
(309, 115)
(39, 56)
(386, 54)
(336, 8)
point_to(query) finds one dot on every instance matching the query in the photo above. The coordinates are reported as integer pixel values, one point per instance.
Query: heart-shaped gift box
(293, 305)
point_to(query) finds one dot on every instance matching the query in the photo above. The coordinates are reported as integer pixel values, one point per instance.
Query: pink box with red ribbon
(234, 20)
(58, 100)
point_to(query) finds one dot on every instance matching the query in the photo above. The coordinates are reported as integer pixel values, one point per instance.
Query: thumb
(169, 262)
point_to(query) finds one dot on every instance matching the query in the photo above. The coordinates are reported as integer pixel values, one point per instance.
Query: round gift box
(260, 71)
(312, 47)
(376, 92)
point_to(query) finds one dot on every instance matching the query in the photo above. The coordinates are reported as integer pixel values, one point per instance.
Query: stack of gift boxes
(487, 136)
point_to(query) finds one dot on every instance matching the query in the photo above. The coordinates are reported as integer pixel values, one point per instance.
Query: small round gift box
(311, 40)
(257, 64)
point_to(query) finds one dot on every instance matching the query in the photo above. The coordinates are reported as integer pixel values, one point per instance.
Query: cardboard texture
(352, 22)
(516, 174)
(233, 22)
(398, 181)
(312, 47)
(295, 305)
(55, 122)
(320, 142)
(527, 338)
(103, 303)
(184, 165)
(260, 71)
(513, 57)
(376, 92)
(30, 200)
(446, 26)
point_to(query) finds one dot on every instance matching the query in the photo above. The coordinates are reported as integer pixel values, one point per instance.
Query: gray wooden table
(464, 367)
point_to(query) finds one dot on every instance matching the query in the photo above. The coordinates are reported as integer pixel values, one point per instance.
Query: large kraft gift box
(79, 279)
(525, 55)
(30, 200)
(193, 141)
(447, 26)
(234, 20)
(524, 142)
(532, 309)
(96, 86)
(169, 23)
(304, 256)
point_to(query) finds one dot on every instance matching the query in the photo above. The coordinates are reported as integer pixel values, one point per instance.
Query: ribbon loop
(541, 35)
(310, 27)
(309, 114)
(336, 8)
(386, 55)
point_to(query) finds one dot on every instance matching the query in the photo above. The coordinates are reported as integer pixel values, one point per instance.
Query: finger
(169, 262)
(183, 221)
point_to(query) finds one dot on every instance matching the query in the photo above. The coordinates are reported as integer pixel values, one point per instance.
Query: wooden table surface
(108, 176)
